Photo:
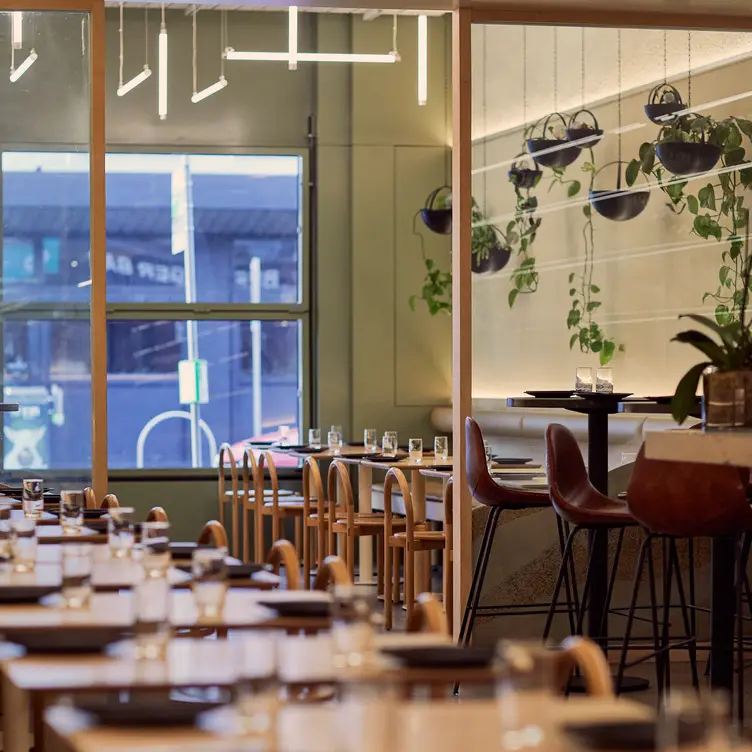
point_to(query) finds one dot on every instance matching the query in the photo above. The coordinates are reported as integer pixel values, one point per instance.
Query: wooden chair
(330, 573)
(226, 458)
(412, 536)
(584, 654)
(90, 498)
(109, 502)
(428, 616)
(157, 514)
(352, 524)
(213, 532)
(283, 554)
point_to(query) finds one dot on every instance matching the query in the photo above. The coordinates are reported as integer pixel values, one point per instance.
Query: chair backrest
(448, 510)
(226, 458)
(90, 499)
(253, 490)
(584, 654)
(395, 475)
(688, 499)
(213, 532)
(283, 554)
(569, 484)
(313, 486)
(250, 478)
(157, 514)
(338, 479)
(110, 502)
(428, 616)
(331, 573)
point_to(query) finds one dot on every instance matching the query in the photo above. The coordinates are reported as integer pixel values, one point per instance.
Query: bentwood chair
(283, 554)
(90, 499)
(110, 501)
(673, 500)
(331, 573)
(157, 514)
(213, 533)
(428, 616)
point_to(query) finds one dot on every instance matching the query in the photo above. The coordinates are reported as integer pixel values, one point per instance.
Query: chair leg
(388, 592)
(740, 580)
(350, 542)
(585, 591)
(667, 584)
(379, 563)
(654, 618)
(612, 581)
(692, 646)
(298, 534)
(479, 574)
(448, 586)
(306, 557)
(409, 583)
(275, 527)
(559, 581)
(573, 607)
(426, 586)
(396, 576)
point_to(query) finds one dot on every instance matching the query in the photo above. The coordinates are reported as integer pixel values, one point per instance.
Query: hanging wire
(618, 86)
(83, 37)
(582, 65)
(222, 42)
(193, 10)
(146, 37)
(394, 34)
(484, 104)
(689, 68)
(120, 32)
(524, 78)
(556, 69)
(665, 62)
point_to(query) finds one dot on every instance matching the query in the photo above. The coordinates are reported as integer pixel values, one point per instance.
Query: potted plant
(664, 102)
(437, 213)
(582, 133)
(620, 204)
(550, 147)
(521, 176)
(690, 144)
(489, 255)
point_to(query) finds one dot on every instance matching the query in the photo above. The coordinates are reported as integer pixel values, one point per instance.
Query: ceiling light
(422, 59)
(209, 90)
(17, 29)
(16, 73)
(292, 38)
(162, 70)
(312, 57)
(123, 89)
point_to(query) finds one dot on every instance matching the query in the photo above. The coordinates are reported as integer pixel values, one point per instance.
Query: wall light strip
(16, 73)
(134, 82)
(17, 29)
(292, 37)
(162, 73)
(209, 90)
(422, 60)
(85, 283)
(311, 57)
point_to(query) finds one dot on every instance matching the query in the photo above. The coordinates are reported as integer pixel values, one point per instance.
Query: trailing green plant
(521, 233)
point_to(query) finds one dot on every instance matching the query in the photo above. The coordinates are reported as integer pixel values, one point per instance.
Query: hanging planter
(619, 205)
(523, 177)
(578, 130)
(689, 145)
(549, 149)
(491, 260)
(664, 102)
(437, 213)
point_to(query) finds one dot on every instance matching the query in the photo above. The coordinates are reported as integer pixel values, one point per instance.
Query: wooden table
(54, 534)
(416, 726)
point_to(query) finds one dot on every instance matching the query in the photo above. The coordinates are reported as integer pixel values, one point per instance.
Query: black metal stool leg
(659, 678)
(571, 573)
(559, 580)
(612, 580)
(667, 583)
(585, 590)
(692, 646)
(567, 586)
(740, 580)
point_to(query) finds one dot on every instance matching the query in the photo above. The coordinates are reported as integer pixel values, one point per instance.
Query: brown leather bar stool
(674, 500)
(579, 504)
(485, 490)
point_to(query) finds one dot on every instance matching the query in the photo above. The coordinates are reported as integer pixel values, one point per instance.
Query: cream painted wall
(649, 269)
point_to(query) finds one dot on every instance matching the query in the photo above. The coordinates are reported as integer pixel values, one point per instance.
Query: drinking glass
(151, 612)
(31, 499)
(121, 532)
(334, 440)
(352, 626)
(209, 583)
(72, 505)
(489, 454)
(604, 381)
(583, 379)
(23, 544)
(257, 691)
(393, 436)
(698, 721)
(415, 449)
(314, 438)
(441, 447)
(388, 447)
(154, 548)
(5, 549)
(77, 566)
(370, 443)
(284, 435)
(338, 431)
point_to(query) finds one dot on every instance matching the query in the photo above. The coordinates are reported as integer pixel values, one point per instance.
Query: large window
(206, 311)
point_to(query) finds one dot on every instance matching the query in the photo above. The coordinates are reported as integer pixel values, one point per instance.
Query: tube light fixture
(17, 29)
(292, 38)
(422, 59)
(134, 82)
(209, 90)
(16, 73)
(162, 72)
(312, 57)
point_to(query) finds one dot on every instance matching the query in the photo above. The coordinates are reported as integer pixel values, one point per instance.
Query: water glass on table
(338, 430)
(370, 442)
(388, 446)
(314, 438)
(352, 626)
(151, 610)
(121, 532)
(209, 583)
(154, 548)
(441, 447)
(604, 381)
(257, 689)
(32, 500)
(72, 505)
(415, 449)
(23, 544)
(583, 379)
(334, 440)
(284, 435)
(77, 567)
(5, 533)
(488, 449)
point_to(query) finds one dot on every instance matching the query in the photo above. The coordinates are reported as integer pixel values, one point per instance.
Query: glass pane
(245, 375)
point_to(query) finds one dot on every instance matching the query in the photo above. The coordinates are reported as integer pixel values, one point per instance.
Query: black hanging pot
(551, 152)
(523, 177)
(579, 131)
(496, 259)
(437, 220)
(688, 158)
(619, 205)
(663, 104)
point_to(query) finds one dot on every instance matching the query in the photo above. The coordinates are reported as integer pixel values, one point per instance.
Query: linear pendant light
(16, 73)
(422, 59)
(209, 90)
(162, 70)
(292, 38)
(139, 78)
(220, 84)
(17, 29)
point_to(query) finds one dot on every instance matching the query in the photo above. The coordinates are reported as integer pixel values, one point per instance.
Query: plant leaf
(574, 188)
(692, 204)
(705, 345)
(607, 353)
(684, 397)
(512, 296)
(571, 277)
(572, 340)
(632, 171)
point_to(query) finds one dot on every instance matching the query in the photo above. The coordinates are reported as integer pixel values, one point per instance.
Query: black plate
(237, 571)
(302, 607)
(95, 514)
(185, 550)
(626, 735)
(442, 656)
(297, 448)
(382, 458)
(511, 460)
(25, 593)
(550, 393)
(66, 639)
(145, 711)
(614, 396)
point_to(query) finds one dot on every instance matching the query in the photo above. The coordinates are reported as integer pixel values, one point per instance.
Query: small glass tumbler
(370, 442)
(690, 720)
(415, 449)
(441, 447)
(151, 610)
(77, 567)
(257, 688)
(352, 626)
(338, 430)
(284, 435)
(314, 438)
(72, 505)
(154, 548)
(334, 440)
(388, 447)
(209, 583)
(583, 379)
(23, 543)
(393, 436)
(604, 381)
(121, 532)
(31, 499)
(5, 534)
(489, 454)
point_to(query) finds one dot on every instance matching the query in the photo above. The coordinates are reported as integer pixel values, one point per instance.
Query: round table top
(9, 407)
(576, 404)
